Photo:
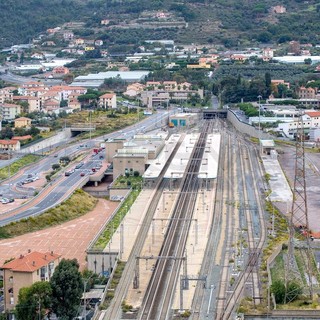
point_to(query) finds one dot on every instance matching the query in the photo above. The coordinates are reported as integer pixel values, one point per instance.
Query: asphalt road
(72, 182)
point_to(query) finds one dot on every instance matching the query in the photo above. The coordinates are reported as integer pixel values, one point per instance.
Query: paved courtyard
(69, 239)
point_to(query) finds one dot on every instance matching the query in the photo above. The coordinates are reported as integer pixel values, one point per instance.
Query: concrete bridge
(79, 128)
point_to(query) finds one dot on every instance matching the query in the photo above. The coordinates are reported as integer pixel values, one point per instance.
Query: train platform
(179, 164)
(158, 164)
(210, 161)
(280, 189)
(195, 247)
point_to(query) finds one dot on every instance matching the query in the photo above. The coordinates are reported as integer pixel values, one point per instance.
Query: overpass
(214, 113)
(76, 129)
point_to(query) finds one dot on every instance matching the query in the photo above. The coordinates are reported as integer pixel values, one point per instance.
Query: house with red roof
(24, 271)
(108, 100)
(9, 145)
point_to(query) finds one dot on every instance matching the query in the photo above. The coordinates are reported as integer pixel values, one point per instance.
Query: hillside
(21, 20)
(228, 22)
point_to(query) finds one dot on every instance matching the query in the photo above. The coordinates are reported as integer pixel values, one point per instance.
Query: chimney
(21, 256)
(45, 257)
(29, 250)
(52, 253)
(33, 263)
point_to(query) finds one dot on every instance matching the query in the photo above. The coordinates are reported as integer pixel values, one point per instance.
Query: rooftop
(31, 262)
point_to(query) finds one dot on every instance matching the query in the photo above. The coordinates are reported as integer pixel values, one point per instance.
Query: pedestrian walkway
(280, 189)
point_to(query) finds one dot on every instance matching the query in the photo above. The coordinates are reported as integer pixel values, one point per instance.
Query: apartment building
(24, 271)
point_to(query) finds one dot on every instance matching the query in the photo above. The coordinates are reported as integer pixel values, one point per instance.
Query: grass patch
(104, 121)
(114, 223)
(17, 165)
(124, 182)
(113, 285)
(77, 205)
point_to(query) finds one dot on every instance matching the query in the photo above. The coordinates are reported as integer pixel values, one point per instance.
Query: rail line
(114, 310)
(237, 209)
(255, 224)
(160, 291)
(198, 303)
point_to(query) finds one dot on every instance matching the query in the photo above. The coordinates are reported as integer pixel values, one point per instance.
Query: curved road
(67, 185)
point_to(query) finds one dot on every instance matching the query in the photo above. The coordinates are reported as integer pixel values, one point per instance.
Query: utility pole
(298, 219)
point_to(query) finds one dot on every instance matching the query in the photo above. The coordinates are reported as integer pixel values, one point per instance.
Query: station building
(133, 155)
(184, 119)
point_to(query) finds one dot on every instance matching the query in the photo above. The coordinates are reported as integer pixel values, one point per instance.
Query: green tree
(55, 166)
(267, 78)
(285, 294)
(66, 284)
(6, 133)
(307, 61)
(279, 290)
(32, 300)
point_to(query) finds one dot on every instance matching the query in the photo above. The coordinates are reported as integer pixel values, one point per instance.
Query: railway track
(238, 218)
(114, 310)
(160, 291)
(255, 225)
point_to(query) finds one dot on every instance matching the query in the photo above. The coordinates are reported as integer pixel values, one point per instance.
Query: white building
(9, 111)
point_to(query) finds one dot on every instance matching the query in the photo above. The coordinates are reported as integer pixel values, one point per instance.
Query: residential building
(200, 65)
(6, 94)
(24, 271)
(98, 42)
(108, 100)
(51, 106)
(9, 111)
(279, 9)
(22, 138)
(68, 35)
(307, 93)
(34, 103)
(170, 85)
(314, 117)
(51, 94)
(73, 101)
(267, 53)
(275, 83)
(134, 89)
(79, 41)
(9, 145)
(65, 91)
(104, 22)
(60, 70)
(22, 122)
(154, 85)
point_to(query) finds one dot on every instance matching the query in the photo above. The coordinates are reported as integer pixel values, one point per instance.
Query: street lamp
(259, 97)
(259, 134)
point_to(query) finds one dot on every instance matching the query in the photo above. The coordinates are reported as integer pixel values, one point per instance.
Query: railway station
(210, 161)
(179, 163)
(152, 174)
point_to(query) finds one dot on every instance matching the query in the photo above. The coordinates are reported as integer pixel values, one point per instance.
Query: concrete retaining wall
(47, 143)
(244, 127)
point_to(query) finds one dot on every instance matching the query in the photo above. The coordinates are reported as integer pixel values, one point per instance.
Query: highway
(65, 186)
